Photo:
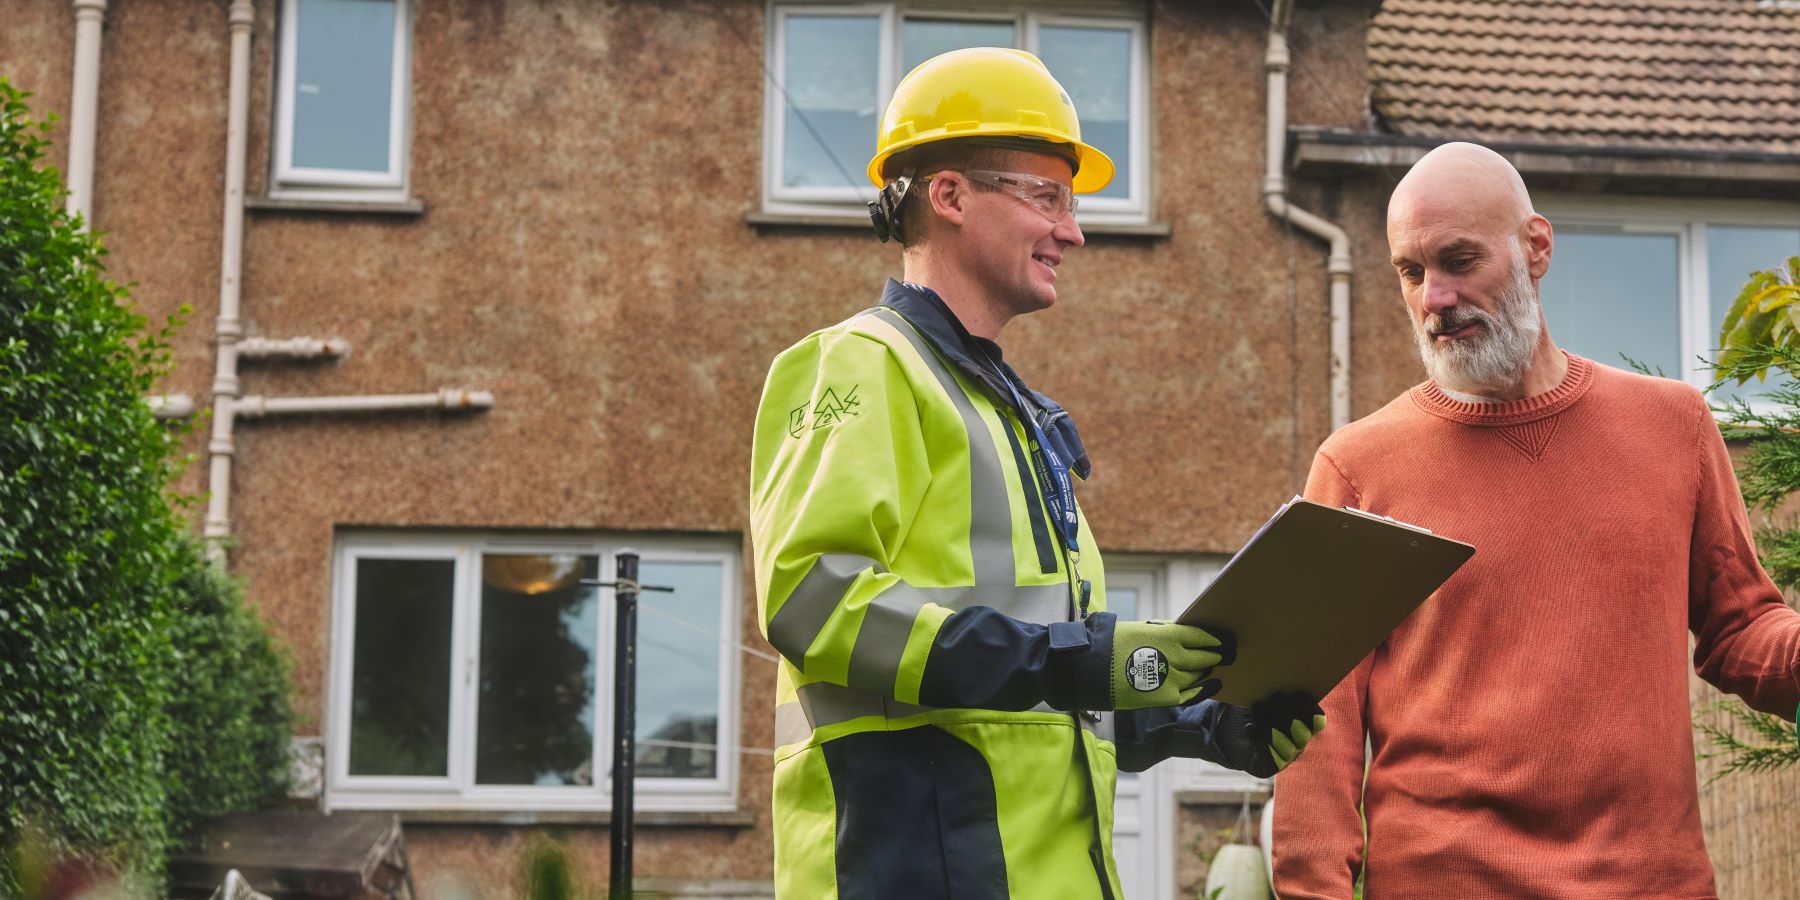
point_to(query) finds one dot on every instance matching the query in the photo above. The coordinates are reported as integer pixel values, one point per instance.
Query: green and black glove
(1269, 736)
(1165, 664)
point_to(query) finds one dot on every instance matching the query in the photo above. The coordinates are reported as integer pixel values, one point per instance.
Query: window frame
(288, 180)
(1688, 221)
(1166, 584)
(457, 790)
(1027, 20)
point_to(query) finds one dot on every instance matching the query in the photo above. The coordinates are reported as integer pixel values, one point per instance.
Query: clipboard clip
(1388, 519)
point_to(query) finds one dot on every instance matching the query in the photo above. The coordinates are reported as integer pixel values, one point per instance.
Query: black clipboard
(1314, 591)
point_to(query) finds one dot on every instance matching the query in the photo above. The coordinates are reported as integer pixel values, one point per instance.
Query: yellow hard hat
(985, 92)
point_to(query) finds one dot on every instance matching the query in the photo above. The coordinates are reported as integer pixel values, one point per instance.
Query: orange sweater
(1530, 723)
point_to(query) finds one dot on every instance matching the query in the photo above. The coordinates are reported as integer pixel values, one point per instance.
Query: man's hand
(1269, 736)
(1165, 664)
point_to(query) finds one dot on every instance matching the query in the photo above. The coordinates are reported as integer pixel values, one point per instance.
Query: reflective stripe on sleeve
(798, 622)
(887, 623)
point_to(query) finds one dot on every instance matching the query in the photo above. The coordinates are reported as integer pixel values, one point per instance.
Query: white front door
(1130, 594)
(1144, 818)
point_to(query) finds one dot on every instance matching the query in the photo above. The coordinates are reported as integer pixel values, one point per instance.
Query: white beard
(1495, 357)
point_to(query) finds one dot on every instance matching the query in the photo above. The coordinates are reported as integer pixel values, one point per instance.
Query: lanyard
(1059, 490)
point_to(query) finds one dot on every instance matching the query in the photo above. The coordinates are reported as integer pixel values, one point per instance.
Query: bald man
(1529, 725)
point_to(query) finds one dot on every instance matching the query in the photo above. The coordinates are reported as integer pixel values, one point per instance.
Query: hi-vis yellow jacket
(909, 575)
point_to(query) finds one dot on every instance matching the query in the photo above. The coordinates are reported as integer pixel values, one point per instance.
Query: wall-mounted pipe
(84, 106)
(454, 399)
(1337, 265)
(228, 404)
(292, 348)
(226, 329)
(171, 406)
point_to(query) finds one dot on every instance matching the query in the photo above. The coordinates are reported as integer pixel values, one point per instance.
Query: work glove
(1165, 664)
(1267, 737)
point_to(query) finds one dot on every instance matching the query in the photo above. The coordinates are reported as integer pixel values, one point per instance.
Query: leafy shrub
(136, 692)
(89, 547)
(229, 709)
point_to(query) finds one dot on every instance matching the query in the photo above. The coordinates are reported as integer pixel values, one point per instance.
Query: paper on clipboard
(1314, 590)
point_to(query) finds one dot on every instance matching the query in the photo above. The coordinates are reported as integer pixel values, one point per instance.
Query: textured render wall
(37, 54)
(586, 169)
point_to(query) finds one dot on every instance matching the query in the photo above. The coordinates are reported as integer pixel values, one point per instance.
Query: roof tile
(1721, 75)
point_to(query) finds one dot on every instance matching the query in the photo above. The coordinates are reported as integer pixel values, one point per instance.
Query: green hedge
(136, 693)
(228, 707)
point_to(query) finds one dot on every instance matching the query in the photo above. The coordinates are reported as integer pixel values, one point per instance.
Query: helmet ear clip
(884, 210)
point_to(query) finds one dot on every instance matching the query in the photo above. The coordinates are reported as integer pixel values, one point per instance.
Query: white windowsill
(410, 206)
(675, 818)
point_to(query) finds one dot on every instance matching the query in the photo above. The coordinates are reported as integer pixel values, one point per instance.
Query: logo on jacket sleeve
(1146, 669)
(831, 409)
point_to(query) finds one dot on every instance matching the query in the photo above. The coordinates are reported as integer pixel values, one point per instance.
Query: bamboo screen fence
(1751, 820)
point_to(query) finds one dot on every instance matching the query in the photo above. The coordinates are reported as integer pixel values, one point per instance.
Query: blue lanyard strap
(1059, 492)
(1052, 473)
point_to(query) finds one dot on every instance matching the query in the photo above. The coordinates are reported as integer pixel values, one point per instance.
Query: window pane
(400, 669)
(539, 628)
(830, 76)
(678, 670)
(1123, 602)
(1094, 66)
(344, 84)
(1612, 293)
(1731, 255)
(922, 39)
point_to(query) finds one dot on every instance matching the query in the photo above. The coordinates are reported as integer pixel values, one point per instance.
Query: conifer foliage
(1761, 334)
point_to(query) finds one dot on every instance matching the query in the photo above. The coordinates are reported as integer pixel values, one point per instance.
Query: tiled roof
(1709, 75)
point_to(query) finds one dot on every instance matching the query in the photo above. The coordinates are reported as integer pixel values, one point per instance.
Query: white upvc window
(1653, 279)
(341, 99)
(832, 69)
(474, 672)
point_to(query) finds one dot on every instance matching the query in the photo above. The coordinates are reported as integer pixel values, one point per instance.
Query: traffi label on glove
(1146, 669)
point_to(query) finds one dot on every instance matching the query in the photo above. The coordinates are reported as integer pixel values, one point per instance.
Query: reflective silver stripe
(790, 724)
(822, 703)
(881, 641)
(825, 704)
(798, 622)
(875, 660)
(990, 515)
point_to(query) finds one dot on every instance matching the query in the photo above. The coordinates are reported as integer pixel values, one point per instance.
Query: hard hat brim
(1093, 169)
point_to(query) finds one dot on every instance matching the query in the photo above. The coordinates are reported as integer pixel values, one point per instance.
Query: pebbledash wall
(584, 231)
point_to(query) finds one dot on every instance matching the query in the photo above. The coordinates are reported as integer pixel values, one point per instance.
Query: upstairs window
(341, 99)
(833, 67)
(1652, 280)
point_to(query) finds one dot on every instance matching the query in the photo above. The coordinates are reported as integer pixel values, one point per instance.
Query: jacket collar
(932, 317)
(982, 361)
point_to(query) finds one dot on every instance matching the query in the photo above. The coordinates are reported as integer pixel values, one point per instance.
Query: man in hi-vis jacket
(922, 565)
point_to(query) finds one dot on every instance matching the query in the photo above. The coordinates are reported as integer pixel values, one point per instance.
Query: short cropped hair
(930, 159)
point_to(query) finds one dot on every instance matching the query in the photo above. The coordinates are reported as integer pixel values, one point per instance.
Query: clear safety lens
(1053, 199)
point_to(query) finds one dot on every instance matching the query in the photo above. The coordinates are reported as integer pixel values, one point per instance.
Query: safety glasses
(1052, 199)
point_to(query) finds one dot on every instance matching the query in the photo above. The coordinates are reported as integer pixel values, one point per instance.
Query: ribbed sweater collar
(1430, 398)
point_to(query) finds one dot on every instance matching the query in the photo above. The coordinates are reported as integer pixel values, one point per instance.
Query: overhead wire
(861, 187)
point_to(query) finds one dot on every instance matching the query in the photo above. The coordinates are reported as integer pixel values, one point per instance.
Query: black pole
(624, 768)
